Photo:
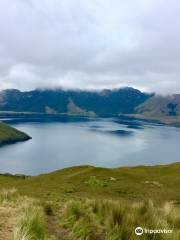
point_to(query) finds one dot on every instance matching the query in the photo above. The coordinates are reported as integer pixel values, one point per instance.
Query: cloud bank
(90, 44)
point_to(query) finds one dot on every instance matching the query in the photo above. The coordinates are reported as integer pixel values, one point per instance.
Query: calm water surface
(99, 142)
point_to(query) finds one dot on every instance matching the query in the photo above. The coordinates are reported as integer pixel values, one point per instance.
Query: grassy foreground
(116, 220)
(89, 203)
(11, 135)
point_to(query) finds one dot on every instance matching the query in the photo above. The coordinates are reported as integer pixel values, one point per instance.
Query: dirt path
(54, 229)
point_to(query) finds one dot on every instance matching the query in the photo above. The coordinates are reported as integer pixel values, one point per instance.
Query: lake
(108, 142)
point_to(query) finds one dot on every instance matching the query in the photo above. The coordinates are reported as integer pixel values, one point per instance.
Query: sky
(90, 44)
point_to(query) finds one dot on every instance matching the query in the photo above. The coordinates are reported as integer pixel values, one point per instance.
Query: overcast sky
(90, 44)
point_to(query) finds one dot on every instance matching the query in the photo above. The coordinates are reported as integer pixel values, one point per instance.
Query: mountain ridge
(100, 103)
(104, 102)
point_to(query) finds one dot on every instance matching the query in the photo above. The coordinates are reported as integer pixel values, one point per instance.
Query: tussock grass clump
(7, 195)
(21, 217)
(31, 225)
(117, 220)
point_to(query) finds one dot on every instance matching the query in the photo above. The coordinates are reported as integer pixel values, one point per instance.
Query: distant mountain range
(90, 103)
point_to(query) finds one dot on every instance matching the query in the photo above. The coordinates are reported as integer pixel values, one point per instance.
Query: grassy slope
(160, 183)
(96, 203)
(158, 106)
(11, 135)
(116, 220)
(24, 218)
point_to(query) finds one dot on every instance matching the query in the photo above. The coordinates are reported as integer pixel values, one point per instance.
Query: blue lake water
(99, 142)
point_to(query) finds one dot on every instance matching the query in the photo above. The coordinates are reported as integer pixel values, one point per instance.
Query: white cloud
(90, 44)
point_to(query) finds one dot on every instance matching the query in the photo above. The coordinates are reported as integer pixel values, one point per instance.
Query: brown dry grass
(10, 213)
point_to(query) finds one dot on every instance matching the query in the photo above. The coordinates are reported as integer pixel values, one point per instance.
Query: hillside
(11, 135)
(91, 203)
(160, 183)
(89, 103)
(160, 106)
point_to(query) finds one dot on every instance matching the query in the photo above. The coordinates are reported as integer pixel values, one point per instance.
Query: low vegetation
(21, 217)
(116, 220)
(160, 183)
(89, 203)
(31, 225)
(11, 135)
(24, 218)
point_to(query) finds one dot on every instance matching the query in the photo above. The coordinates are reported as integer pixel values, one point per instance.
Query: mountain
(160, 106)
(90, 103)
(73, 102)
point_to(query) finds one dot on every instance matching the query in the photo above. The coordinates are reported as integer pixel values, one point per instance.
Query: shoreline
(165, 120)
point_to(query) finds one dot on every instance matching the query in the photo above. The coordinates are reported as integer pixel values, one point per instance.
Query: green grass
(160, 183)
(90, 203)
(21, 217)
(11, 135)
(24, 218)
(31, 225)
(116, 220)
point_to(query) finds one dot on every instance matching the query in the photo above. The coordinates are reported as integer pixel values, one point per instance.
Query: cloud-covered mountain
(90, 103)
(101, 103)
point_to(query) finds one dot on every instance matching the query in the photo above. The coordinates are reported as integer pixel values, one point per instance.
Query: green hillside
(86, 202)
(160, 183)
(11, 135)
